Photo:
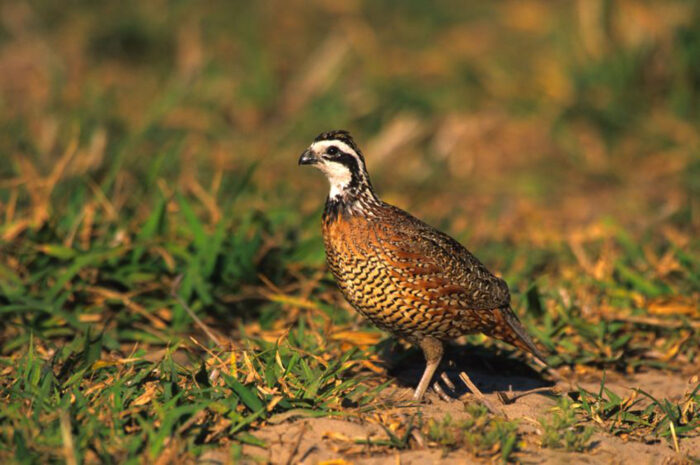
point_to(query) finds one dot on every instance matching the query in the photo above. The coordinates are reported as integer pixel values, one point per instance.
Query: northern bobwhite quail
(405, 276)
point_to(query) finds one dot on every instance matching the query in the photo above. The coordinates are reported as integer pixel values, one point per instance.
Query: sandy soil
(297, 440)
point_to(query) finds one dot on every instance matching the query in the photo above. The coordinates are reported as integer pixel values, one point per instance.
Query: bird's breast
(349, 247)
(373, 276)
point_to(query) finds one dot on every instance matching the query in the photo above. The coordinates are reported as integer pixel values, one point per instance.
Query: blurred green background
(561, 112)
(141, 141)
(510, 124)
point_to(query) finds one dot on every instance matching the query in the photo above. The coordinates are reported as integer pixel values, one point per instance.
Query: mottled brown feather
(415, 281)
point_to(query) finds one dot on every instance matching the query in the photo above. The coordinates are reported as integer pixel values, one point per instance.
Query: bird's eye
(332, 150)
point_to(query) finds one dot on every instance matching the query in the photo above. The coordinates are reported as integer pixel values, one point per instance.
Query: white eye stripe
(321, 146)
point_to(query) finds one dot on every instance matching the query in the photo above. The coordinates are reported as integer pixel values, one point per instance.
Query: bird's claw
(448, 382)
(441, 393)
(479, 395)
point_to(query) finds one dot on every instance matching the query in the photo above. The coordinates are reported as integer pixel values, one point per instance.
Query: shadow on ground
(491, 370)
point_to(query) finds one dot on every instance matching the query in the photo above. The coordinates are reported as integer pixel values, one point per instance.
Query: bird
(400, 273)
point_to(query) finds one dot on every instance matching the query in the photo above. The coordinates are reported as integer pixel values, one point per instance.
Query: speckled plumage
(403, 275)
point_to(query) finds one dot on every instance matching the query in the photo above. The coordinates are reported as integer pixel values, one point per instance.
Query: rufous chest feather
(347, 237)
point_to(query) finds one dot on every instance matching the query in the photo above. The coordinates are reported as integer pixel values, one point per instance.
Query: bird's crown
(341, 135)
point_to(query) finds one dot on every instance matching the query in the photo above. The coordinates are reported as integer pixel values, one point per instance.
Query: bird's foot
(510, 397)
(448, 393)
(479, 395)
(441, 393)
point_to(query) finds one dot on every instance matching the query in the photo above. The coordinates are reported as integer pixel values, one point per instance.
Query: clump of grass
(674, 420)
(482, 434)
(443, 432)
(563, 430)
(661, 418)
(400, 439)
(116, 409)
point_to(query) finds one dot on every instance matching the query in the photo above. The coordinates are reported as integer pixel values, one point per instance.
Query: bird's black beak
(307, 158)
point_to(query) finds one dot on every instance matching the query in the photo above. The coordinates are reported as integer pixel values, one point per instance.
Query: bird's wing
(437, 261)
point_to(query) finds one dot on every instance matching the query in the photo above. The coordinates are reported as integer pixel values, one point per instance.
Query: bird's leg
(433, 350)
(479, 395)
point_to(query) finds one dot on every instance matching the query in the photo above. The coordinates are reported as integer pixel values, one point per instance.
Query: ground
(318, 440)
(163, 292)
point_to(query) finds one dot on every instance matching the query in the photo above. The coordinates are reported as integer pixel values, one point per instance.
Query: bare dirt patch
(340, 440)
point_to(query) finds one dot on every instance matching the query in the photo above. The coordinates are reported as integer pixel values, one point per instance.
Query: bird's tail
(513, 332)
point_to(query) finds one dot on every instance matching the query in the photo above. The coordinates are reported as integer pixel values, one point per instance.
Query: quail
(403, 275)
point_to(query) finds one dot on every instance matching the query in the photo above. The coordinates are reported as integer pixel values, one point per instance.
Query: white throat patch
(338, 175)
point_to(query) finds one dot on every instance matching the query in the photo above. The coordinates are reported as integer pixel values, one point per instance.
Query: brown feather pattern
(415, 281)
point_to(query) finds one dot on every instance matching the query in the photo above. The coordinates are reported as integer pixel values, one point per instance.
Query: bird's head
(336, 154)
